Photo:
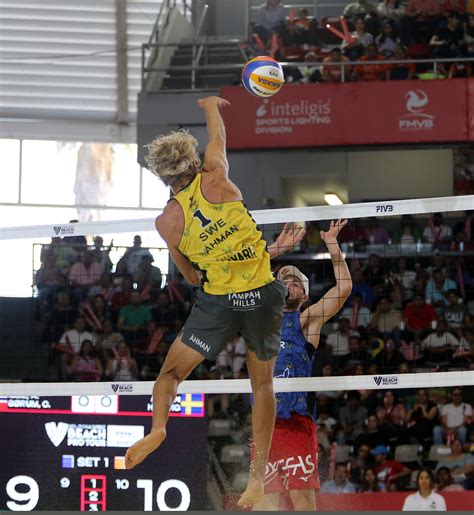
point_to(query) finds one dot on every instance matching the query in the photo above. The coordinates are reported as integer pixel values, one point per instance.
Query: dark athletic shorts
(256, 314)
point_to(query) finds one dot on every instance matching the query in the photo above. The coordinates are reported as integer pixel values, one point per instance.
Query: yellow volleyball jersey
(223, 242)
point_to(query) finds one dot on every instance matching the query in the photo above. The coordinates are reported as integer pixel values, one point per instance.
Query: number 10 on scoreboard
(93, 493)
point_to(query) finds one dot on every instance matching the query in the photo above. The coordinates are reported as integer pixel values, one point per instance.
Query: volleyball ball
(263, 76)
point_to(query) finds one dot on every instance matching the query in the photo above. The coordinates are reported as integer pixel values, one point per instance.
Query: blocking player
(216, 245)
(293, 460)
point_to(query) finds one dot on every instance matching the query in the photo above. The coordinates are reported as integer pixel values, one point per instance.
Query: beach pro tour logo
(63, 230)
(416, 119)
(122, 388)
(386, 380)
(56, 432)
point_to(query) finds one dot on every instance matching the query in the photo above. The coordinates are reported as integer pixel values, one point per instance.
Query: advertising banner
(370, 113)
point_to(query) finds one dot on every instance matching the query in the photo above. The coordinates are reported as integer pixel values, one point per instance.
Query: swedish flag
(192, 404)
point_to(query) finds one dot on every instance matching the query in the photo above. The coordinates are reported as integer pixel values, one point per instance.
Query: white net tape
(266, 216)
(308, 384)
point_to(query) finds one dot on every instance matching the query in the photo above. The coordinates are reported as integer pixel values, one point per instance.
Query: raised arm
(316, 315)
(215, 158)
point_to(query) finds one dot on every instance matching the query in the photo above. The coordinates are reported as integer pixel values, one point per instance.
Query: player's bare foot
(253, 494)
(141, 449)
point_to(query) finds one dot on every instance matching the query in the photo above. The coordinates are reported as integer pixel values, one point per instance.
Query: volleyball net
(81, 348)
(411, 308)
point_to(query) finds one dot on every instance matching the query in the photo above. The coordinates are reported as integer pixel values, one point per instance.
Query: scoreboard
(68, 453)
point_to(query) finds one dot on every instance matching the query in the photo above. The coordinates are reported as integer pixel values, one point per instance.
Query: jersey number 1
(204, 221)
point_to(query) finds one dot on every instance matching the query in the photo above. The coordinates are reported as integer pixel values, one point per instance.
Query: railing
(195, 67)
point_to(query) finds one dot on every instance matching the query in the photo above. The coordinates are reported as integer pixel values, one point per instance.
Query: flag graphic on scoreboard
(192, 404)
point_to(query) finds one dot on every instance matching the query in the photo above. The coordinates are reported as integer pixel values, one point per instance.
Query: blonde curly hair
(172, 156)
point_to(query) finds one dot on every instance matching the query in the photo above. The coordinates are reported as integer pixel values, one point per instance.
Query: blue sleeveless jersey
(292, 361)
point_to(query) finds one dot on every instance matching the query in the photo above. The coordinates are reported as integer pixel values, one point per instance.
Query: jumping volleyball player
(215, 244)
(293, 459)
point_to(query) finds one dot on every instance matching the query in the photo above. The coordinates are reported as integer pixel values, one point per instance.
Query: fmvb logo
(386, 380)
(63, 230)
(416, 102)
(122, 388)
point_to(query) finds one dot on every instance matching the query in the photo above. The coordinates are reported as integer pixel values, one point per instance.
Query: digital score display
(68, 453)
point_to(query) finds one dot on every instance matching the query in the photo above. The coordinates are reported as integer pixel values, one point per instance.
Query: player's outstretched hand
(330, 236)
(203, 103)
(290, 236)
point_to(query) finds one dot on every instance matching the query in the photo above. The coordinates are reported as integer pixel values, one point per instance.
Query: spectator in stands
(374, 233)
(60, 319)
(101, 255)
(455, 418)
(147, 276)
(308, 73)
(392, 9)
(421, 19)
(388, 471)
(122, 367)
(447, 42)
(437, 288)
(391, 414)
(425, 499)
(437, 232)
(357, 353)
(357, 314)
(334, 74)
(169, 317)
(387, 41)
(133, 319)
(69, 345)
(121, 273)
(370, 483)
(372, 435)
(409, 232)
(233, 356)
(360, 287)
(338, 343)
(352, 417)
(105, 288)
(406, 278)
(455, 312)
(95, 311)
(360, 39)
(465, 352)
(402, 71)
(468, 43)
(420, 418)
(85, 366)
(445, 482)
(108, 339)
(123, 295)
(48, 279)
(360, 463)
(84, 274)
(271, 18)
(439, 346)
(133, 255)
(458, 462)
(418, 316)
(458, 6)
(388, 360)
(358, 8)
(299, 28)
(340, 484)
(386, 319)
(375, 275)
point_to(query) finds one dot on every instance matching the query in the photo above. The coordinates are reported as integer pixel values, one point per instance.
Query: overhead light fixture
(332, 199)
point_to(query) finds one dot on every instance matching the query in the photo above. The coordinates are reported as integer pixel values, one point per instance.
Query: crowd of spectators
(390, 30)
(105, 321)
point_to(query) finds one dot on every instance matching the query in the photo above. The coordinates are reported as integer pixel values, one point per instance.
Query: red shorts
(293, 458)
